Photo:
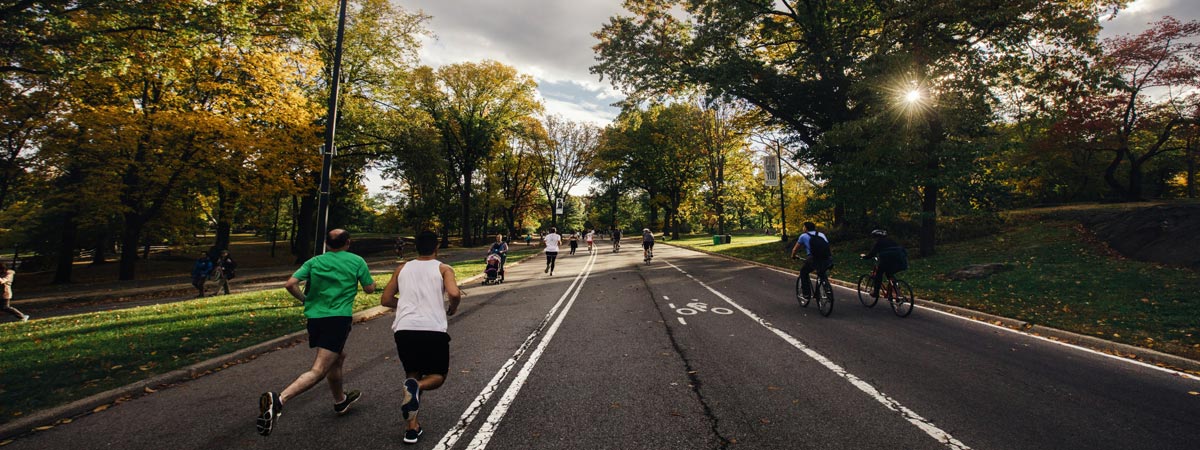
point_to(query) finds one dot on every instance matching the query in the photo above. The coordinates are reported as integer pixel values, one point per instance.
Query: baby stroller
(494, 273)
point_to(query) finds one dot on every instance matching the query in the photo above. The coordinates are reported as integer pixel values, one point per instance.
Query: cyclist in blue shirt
(820, 261)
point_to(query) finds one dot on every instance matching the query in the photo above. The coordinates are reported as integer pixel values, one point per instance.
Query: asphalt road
(597, 356)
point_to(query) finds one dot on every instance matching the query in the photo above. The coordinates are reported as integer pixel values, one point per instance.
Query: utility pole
(782, 205)
(330, 131)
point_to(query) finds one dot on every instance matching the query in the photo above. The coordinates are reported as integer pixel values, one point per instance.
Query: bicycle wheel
(865, 283)
(823, 291)
(800, 294)
(901, 298)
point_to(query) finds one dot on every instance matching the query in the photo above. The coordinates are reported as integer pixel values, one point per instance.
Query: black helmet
(879, 233)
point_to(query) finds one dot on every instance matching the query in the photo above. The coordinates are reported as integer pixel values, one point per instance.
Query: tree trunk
(275, 225)
(100, 256)
(464, 202)
(1134, 193)
(66, 250)
(929, 194)
(224, 218)
(1191, 175)
(445, 235)
(1110, 174)
(131, 234)
(305, 228)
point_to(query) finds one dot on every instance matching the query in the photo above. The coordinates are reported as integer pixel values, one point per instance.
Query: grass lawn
(1058, 278)
(53, 361)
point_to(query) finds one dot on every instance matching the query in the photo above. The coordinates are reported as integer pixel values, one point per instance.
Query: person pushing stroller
(497, 256)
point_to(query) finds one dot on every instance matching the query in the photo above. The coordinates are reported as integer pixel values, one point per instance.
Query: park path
(690, 351)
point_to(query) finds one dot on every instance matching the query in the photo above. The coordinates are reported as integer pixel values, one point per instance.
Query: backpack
(818, 247)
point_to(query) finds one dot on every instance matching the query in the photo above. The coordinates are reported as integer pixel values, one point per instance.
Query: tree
(814, 66)
(1123, 117)
(725, 129)
(475, 107)
(565, 159)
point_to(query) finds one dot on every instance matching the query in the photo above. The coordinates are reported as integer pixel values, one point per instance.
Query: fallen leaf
(43, 428)
(118, 366)
(149, 391)
(676, 414)
(100, 408)
(764, 421)
(5, 442)
(774, 388)
(1193, 393)
(65, 421)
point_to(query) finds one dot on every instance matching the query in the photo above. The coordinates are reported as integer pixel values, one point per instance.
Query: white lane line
(476, 406)
(666, 298)
(888, 402)
(489, 426)
(1177, 373)
(681, 320)
(672, 305)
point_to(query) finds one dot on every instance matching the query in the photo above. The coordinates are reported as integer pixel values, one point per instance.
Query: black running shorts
(424, 352)
(647, 245)
(329, 333)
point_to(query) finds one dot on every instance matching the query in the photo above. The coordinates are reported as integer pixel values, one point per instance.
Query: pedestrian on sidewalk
(591, 239)
(528, 239)
(417, 291)
(225, 271)
(6, 279)
(200, 272)
(552, 240)
(333, 280)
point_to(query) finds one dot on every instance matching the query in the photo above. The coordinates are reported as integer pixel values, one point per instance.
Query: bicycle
(898, 292)
(648, 254)
(822, 292)
(616, 245)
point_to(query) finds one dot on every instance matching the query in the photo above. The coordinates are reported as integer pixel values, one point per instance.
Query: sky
(551, 40)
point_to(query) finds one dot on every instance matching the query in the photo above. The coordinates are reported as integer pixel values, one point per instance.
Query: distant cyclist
(616, 239)
(647, 243)
(819, 256)
(892, 258)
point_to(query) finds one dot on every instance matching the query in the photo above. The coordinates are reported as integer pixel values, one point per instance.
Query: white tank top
(420, 297)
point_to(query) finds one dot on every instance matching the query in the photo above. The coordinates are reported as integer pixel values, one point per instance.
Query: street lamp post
(782, 206)
(330, 131)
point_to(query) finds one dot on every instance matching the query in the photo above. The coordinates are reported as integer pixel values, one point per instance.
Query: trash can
(728, 238)
(718, 239)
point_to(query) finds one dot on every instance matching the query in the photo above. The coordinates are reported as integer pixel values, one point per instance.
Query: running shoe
(25, 317)
(269, 408)
(412, 399)
(412, 436)
(344, 406)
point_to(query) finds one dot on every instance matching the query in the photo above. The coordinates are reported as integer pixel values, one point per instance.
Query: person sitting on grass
(417, 291)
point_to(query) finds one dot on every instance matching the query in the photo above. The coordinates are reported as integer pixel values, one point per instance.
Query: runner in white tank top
(417, 290)
(421, 292)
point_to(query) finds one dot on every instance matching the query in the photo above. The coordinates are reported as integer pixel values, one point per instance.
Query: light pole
(782, 206)
(330, 131)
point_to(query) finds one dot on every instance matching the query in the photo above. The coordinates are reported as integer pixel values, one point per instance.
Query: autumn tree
(475, 107)
(1142, 103)
(565, 159)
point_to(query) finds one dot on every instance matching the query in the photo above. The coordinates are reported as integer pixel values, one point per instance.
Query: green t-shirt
(333, 280)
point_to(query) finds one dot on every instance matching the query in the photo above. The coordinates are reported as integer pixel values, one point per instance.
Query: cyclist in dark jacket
(892, 258)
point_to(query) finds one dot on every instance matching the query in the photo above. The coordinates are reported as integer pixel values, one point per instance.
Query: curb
(1125, 351)
(49, 418)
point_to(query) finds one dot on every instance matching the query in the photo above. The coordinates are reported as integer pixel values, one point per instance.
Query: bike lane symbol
(696, 307)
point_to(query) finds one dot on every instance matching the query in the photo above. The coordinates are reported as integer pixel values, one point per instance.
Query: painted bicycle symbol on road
(696, 307)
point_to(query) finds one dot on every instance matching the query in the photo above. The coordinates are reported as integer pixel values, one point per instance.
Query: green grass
(57, 360)
(1059, 278)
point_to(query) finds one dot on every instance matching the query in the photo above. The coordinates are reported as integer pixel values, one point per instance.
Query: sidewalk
(76, 299)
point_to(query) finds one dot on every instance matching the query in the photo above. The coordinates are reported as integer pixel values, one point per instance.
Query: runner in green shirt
(333, 280)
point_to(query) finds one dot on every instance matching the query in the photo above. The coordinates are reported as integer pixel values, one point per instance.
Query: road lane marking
(1174, 372)
(489, 426)
(473, 410)
(681, 320)
(888, 402)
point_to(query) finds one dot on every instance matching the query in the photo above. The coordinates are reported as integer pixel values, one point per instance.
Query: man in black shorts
(333, 280)
(417, 291)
